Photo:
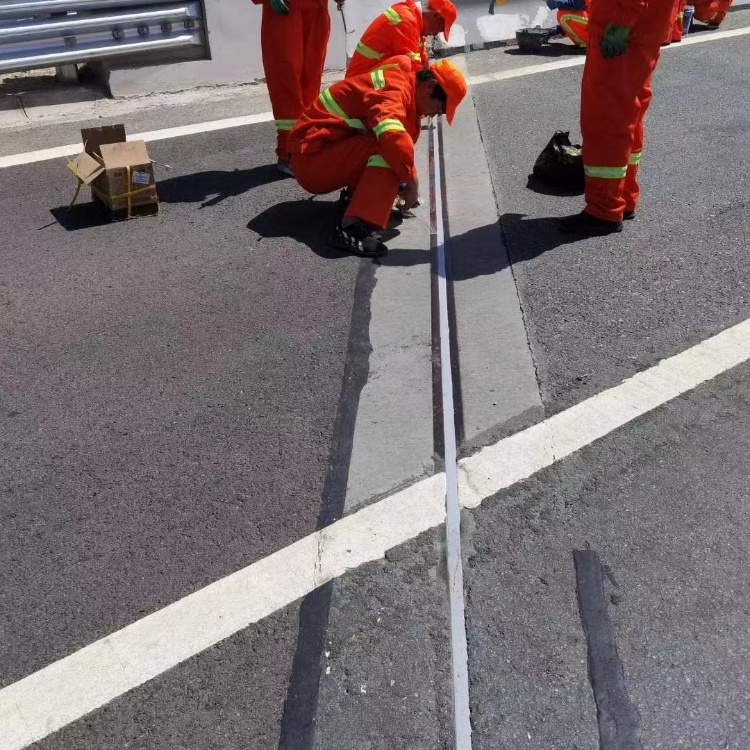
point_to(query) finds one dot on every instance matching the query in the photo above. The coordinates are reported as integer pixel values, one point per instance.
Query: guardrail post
(66, 74)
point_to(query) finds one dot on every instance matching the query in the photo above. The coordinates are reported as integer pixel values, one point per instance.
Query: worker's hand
(279, 6)
(614, 41)
(410, 194)
(552, 4)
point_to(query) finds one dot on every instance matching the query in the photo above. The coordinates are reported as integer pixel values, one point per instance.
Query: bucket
(531, 40)
(687, 19)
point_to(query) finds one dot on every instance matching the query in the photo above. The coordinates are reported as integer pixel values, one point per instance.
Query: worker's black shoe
(628, 215)
(359, 239)
(586, 225)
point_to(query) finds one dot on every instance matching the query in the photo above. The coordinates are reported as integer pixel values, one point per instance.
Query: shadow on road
(308, 221)
(480, 252)
(528, 238)
(216, 186)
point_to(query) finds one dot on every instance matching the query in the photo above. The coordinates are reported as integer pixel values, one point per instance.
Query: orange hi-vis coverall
(360, 134)
(294, 51)
(615, 94)
(575, 26)
(397, 31)
(573, 18)
(712, 12)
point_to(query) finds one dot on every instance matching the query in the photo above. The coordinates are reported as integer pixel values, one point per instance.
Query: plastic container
(687, 19)
(531, 40)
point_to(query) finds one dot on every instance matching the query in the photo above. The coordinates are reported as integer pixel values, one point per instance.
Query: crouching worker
(573, 18)
(359, 136)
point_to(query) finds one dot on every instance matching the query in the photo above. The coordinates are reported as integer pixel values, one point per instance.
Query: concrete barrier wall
(234, 39)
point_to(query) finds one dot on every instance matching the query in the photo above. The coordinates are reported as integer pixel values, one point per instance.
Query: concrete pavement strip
(78, 684)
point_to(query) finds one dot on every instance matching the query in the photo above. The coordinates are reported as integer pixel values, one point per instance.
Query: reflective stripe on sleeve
(392, 16)
(368, 52)
(386, 125)
(606, 173)
(378, 79)
(330, 104)
(285, 124)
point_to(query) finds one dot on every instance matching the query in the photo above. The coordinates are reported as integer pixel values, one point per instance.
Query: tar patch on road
(617, 718)
(300, 708)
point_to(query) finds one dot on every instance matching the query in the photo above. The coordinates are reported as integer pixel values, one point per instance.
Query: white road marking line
(521, 455)
(505, 75)
(59, 694)
(60, 152)
(67, 690)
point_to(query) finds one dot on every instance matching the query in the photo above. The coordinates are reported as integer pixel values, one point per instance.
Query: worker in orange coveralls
(573, 20)
(712, 12)
(675, 31)
(359, 135)
(625, 39)
(294, 40)
(402, 30)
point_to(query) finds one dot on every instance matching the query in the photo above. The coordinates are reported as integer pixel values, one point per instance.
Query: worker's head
(440, 90)
(438, 16)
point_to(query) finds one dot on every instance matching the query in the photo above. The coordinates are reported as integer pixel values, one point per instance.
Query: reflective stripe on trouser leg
(611, 114)
(344, 164)
(282, 48)
(293, 49)
(574, 26)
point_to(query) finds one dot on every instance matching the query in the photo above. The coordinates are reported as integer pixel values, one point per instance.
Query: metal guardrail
(62, 32)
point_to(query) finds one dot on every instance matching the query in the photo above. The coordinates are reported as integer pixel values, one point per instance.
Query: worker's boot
(359, 239)
(586, 225)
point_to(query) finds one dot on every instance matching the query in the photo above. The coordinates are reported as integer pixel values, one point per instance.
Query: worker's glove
(279, 6)
(553, 4)
(614, 41)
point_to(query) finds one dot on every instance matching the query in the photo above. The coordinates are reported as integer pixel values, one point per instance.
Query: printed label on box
(141, 178)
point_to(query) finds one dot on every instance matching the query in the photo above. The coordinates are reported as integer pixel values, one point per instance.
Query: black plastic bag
(560, 165)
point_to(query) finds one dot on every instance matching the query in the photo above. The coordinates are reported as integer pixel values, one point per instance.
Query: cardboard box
(119, 172)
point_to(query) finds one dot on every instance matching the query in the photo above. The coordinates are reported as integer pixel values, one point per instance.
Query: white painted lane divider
(63, 692)
(505, 75)
(60, 152)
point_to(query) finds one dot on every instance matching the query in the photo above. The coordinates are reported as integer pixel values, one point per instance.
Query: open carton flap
(131, 154)
(95, 138)
(86, 168)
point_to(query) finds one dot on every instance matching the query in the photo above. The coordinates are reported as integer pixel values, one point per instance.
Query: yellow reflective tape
(386, 125)
(635, 158)
(356, 124)
(378, 79)
(285, 124)
(368, 52)
(330, 104)
(378, 161)
(565, 23)
(415, 56)
(392, 16)
(606, 173)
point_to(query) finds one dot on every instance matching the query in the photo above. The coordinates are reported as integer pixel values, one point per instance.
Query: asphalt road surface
(183, 396)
